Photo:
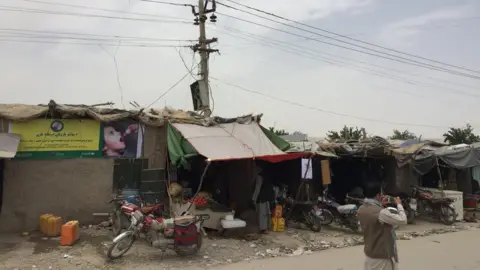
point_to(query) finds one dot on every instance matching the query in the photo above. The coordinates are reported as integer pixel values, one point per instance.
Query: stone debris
(90, 254)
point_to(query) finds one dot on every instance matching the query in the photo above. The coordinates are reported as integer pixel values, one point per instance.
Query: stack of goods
(200, 202)
(50, 225)
(278, 221)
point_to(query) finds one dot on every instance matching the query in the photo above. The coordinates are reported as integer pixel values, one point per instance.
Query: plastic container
(44, 223)
(54, 226)
(278, 224)
(131, 195)
(70, 233)
(278, 211)
(231, 224)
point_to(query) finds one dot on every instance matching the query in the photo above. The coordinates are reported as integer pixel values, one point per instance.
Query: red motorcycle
(120, 215)
(183, 234)
(440, 208)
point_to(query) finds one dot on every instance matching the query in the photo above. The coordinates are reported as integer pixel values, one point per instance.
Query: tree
(403, 135)
(461, 135)
(278, 132)
(347, 133)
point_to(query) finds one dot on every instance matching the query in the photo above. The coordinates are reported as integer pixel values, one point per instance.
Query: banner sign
(122, 138)
(76, 138)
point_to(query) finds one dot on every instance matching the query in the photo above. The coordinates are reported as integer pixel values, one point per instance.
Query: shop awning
(224, 142)
(9, 145)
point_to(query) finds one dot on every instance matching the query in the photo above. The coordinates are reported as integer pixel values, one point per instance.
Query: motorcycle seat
(346, 209)
(148, 209)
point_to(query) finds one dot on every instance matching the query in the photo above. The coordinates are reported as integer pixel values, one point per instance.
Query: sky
(312, 87)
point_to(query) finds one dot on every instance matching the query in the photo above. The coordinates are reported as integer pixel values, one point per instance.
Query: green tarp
(179, 149)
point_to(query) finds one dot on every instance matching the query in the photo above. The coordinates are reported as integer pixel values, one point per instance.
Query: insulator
(213, 18)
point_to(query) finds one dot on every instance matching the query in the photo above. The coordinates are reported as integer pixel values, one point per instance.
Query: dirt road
(457, 251)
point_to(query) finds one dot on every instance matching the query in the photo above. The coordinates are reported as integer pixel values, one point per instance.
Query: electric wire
(373, 52)
(60, 38)
(12, 40)
(172, 87)
(168, 3)
(98, 9)
(326, 111)
(343, 36)
(50, 12)
(343, 64)
(343, 57)
(61, 34)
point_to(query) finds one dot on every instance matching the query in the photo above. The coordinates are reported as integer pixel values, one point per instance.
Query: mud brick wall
(155, 146)
(71, 188)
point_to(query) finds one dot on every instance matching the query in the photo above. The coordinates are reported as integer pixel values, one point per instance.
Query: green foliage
(347, 133)
(461, 135)
(278, 132)
(403, 135)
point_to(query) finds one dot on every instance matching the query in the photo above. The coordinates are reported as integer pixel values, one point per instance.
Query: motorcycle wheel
(355, 226)
(315, 223)
(116, 222)
(327, 217)
(447, 215)
(122, 246)
(410, 216)
(188, 251)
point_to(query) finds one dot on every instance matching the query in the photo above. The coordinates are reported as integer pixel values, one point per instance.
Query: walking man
(378, 226)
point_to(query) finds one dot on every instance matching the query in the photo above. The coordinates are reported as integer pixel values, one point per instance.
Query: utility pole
(201, 98)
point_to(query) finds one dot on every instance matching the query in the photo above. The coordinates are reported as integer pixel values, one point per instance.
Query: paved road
(450, 251)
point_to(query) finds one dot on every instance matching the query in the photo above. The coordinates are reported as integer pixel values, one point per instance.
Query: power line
(43, 11)
(98, 9)
(326, 111)
(388, 56)
(113, 37)
(119, 84)
(456, 23)
(270, 40)
(344, 36)
(173, 86)
(90, 43)
(336, 62)
(168, 3)
(406, 61)
(53, 37)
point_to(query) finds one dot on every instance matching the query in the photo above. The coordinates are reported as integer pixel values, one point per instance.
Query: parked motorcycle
(120, 215)
(440, 208)
(184, 234)
(409, 204)
(331, 211)
(301, 212)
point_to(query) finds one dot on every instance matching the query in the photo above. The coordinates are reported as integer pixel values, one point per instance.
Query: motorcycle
(301, 212)
(331, 211)
(440, 208)
(409, 204)
(183, 234)
(120, 215)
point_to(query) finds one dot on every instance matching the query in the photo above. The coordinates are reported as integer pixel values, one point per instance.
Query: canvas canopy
(225, 142)
(458, 158)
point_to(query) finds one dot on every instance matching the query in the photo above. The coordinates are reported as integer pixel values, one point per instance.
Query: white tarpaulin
(229, 141)
(9, 145)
